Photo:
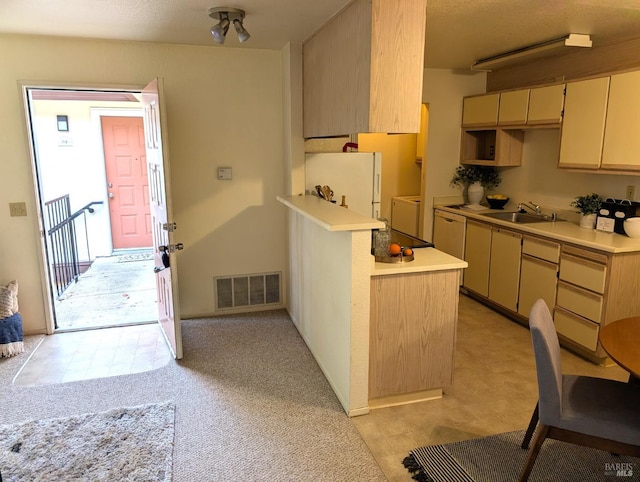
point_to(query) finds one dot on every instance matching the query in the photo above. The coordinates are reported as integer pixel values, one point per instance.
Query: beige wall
(443, 91)
(539, 180)
(224, 108)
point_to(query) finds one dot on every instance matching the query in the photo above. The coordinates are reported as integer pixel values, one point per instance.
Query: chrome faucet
(532, 206)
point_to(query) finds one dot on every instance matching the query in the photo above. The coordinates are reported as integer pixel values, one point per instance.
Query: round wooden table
(621, 340)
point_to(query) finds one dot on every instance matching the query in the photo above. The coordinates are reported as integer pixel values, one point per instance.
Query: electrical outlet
(631, 193)
(18, 209)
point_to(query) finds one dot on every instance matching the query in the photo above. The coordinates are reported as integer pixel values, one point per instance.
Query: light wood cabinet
(480, 110)
(361, 73)
(492, 147)
(538, 273)
(477, 254)
(584, 288)
(514, 107)
(504, 267)
(594, 289)
(546, 105)
(582, 131)
(621, 149)
(412, 333)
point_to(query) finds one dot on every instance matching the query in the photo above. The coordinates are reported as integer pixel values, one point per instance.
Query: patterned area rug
(133, 443)
(499, 458)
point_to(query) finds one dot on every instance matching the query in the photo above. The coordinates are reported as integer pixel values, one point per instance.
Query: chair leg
(531, 428)
(541, 435)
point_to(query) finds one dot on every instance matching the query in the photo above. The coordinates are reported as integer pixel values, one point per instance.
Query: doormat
(499, 458)
(126, 258)
(130, 443)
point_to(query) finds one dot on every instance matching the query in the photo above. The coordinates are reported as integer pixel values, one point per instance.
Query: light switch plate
(17, 209)
(224, 174)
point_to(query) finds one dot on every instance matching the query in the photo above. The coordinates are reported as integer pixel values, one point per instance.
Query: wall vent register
(250, 291)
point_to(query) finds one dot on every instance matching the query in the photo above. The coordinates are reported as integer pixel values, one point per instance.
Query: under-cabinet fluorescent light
(532, 51)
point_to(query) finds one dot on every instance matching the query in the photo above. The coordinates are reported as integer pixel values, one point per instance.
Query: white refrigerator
(355, 175)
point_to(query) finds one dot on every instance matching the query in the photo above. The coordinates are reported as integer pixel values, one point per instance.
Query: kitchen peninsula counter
(425, 259)
(335, 303)
(414, 318)
(326, 214)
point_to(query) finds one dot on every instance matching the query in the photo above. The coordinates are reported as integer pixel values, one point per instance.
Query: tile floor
(82, 355)
(494, 391)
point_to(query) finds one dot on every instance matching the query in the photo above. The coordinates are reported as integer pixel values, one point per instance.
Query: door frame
(35, 194)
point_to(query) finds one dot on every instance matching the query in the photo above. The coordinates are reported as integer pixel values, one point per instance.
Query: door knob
(110, 184)
(157, 269)
(110, 195)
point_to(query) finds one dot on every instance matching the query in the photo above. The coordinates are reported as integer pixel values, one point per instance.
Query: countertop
(425, 259)
(329, 215)
(566, 231)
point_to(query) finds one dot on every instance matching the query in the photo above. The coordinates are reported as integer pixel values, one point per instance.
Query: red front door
(127, 183)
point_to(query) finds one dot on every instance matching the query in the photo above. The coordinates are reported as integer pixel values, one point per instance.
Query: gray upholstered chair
(593, 412)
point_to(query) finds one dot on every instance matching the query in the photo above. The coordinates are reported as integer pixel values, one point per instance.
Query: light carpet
(499, 458)
(251, 404)
(124, 444)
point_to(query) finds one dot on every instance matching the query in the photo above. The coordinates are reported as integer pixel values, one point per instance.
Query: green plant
(487, 176)
(587, 204)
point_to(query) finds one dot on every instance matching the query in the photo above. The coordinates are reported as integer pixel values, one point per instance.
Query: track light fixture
(227, 16)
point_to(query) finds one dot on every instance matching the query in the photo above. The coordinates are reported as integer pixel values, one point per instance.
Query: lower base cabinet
(504, 268)
(478, 254)
(412, 332)
(538, 279)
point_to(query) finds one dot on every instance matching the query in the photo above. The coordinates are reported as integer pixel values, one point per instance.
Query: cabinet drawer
(576, 329)
(539, 248)
(583, 273)
(580, 302)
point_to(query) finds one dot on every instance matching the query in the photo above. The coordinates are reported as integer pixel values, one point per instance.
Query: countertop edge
(426, 260)
(328, 215)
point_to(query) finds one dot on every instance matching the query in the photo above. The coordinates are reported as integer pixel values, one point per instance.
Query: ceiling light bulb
(219, 31)
(243, 35)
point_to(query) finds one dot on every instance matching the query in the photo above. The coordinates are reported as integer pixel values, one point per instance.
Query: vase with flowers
(588, 206)
(475, 179)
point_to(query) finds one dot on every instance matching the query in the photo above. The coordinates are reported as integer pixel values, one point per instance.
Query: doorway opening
(92, 187)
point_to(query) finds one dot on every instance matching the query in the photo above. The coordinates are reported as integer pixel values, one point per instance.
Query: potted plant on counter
(588, 205)
(476, 179)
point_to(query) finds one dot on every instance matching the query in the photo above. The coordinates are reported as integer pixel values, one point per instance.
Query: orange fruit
(395, 249)
(407, 252)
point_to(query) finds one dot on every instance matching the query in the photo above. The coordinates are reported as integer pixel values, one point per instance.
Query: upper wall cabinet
(363, 70)
(514, 106)
(582, 131)
(522, 108)
(480, 110)
(621, 140)
(546, 105)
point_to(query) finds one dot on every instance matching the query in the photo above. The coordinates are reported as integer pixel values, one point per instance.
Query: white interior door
(161, 215)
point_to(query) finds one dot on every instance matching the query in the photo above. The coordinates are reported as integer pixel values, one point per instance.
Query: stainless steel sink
(521, 218)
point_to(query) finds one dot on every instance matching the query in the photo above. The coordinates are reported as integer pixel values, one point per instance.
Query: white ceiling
(458, 31)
